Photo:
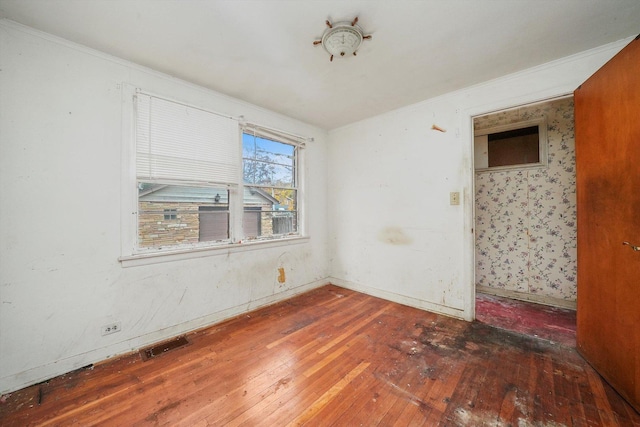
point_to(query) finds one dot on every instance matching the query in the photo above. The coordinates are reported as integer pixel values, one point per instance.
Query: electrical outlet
(111, 328)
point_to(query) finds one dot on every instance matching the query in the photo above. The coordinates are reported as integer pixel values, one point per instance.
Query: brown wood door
(607, 120)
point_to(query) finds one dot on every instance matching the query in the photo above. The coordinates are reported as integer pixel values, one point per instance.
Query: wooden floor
(550, 323)
(334, 357)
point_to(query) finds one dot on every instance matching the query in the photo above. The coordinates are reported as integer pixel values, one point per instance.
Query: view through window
(190, 192)
(269, 171)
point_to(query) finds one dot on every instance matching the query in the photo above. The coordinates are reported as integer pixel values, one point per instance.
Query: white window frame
(480, 140)
(132, 255)
(299, 144)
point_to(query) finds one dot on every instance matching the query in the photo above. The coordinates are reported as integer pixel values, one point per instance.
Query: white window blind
(180, 143)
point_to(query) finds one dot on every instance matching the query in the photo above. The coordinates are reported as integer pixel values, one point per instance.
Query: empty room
(349, 213)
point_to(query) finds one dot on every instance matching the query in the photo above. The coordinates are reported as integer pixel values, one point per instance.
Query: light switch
(454, 198)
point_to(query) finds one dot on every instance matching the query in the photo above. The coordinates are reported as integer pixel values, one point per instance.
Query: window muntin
(170, 214)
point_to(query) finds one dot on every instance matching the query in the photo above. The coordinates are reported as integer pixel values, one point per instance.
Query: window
(170, 215)
(518, 145)
(190, 193)
(186, 162)
(270, 175)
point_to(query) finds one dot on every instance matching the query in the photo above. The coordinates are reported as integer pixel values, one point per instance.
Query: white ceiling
(262, 51)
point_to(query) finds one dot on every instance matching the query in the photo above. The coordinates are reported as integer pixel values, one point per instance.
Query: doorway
(525, 221)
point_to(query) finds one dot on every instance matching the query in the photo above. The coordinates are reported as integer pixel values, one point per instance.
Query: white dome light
(342, 38)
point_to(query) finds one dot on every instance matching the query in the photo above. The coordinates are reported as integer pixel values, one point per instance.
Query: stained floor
(334, 357)
(536, 320)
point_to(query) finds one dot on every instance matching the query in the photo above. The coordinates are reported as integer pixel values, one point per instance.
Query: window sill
(513, 168)
(182, 254)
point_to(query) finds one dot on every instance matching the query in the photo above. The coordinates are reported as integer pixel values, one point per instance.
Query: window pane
(269, 212)
(284, 222)
(514, 147)
(173, 215)
(270, 207)
(268, 162)
(263, 173)
(265, 224)
(254, 147)
(252, 223)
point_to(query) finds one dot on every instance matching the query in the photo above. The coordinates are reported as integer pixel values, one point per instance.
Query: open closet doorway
(525, 220)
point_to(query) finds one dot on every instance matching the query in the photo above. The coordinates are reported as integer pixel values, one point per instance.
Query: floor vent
(158, 349)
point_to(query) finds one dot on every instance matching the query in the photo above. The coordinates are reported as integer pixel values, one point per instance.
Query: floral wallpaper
(526, 218)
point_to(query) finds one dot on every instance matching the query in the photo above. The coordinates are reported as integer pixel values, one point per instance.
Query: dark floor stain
(299, 325)
(154, 417)
(283, 381)
(429, 372)
(408, 350)
(424, 406)
(476, 339)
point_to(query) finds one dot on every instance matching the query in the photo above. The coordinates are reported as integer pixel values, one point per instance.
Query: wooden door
(607, 125)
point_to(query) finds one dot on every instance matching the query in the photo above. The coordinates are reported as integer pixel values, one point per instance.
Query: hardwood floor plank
(333, 357)
(296, 389)
(372, 397)
(600, 396)
(624, 413)
(304, 362)
(333, 369)
(329, 395)
(328, 359)
(292, 333)
(349, 404)
(350, 331)
(432, 405)
(466, 396)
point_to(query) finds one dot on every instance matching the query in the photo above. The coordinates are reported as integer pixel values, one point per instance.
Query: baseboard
(45, 372)
(398, 298)
(522, 296)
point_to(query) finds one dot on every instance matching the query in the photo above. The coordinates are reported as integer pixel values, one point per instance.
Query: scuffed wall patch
(394, 236)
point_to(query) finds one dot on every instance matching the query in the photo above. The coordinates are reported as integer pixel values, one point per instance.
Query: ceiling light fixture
(342, 38)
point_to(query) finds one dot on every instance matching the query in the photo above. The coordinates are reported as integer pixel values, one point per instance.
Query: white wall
(60, 217)
(393, 233)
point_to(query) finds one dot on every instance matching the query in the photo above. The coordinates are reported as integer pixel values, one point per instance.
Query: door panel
(214, 223)
(607, 120)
